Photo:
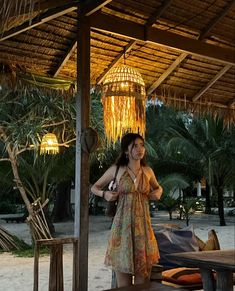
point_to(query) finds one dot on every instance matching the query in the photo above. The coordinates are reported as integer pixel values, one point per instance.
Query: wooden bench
(149, 286)
(19, 218)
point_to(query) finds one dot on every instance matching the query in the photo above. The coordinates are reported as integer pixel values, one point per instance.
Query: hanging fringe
(124, 102)
(123, 114)
(200, 108)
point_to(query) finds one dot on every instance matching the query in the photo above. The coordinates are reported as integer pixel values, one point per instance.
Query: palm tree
(207, 140)
(170, 183)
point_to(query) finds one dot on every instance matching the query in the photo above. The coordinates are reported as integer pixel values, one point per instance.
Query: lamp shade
(49, 144)
(124, 102)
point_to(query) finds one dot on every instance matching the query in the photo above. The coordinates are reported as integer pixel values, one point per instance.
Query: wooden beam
(204, 33)
(166, 73)
(158, 13)
(88, 7)
(128, 48)
(214, 21)
(217, 76)
(167, 39)
(116, 60)
(45, 17)
(81, 223)
(91, 6)
(69, 52)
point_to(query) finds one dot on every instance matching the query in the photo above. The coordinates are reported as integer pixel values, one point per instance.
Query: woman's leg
(123, 279)
(140, 280)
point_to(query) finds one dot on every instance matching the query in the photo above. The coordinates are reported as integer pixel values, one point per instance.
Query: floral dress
(132, 247)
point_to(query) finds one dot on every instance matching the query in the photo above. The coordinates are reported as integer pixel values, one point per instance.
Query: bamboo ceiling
(185, 50)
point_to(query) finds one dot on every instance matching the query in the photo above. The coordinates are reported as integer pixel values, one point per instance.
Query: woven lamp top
(51, 137)
(123, 73)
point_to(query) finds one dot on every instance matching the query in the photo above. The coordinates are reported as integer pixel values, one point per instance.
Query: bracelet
(103, 194)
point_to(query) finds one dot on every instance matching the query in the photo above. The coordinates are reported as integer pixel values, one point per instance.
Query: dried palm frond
(7, 241)
(14, 79)
(15, 12)
(200, 107)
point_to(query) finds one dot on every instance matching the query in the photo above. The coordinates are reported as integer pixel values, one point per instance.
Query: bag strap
(115, 176)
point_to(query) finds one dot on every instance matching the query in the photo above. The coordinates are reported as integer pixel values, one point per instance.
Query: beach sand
(16, 273)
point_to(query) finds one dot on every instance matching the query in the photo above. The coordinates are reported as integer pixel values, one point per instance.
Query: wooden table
(150, 286)
(221, 261)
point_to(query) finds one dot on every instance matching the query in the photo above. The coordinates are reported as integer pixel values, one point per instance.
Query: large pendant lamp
(124, 102)
(49, 144)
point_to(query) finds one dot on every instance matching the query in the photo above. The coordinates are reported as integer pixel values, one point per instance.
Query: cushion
(182, 276)
(175, 241)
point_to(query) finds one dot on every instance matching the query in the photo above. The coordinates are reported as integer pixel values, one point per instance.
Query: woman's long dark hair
(127, 139)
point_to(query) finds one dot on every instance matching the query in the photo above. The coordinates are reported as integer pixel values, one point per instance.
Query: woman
(132, 247)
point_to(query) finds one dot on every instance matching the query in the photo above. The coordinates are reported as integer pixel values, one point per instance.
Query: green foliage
(169, 203)
(208, 141)
(173, 181)
(41, 176)
(27, 114)
(188, 207)
(27, 251)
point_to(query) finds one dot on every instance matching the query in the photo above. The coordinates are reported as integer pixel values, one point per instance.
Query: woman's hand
(156, 194)
(110, 195)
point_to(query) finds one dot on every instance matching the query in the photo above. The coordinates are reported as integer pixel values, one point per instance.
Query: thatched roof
(185, 50)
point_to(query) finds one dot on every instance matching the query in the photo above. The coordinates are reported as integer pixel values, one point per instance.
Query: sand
(17, 273)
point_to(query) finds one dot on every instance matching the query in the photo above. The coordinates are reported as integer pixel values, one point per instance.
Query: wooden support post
(208, 280)
(56, 278)
(224, 281)
(75, 266)
(36, 267)
(81, 224)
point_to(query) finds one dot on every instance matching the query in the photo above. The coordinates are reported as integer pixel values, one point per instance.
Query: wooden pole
(81, 223)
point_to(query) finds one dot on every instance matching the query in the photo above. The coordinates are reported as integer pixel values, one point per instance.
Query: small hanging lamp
(124, 102)
(49, 144)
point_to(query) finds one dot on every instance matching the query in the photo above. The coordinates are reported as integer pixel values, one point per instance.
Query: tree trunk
(220, 193)
(208, 199)
(36, 219)
(187, 219)
(17, 179)
(62, 208)
(170, 214)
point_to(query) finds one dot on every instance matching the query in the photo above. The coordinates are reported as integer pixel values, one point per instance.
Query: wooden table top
(218, 260)
(150, 286)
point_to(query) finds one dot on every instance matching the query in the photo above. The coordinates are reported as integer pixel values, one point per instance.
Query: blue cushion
(175, 241)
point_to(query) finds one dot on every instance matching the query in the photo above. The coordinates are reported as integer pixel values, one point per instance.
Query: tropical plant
(170, 183)
(27, 114)
(188, 207)
(212, 145)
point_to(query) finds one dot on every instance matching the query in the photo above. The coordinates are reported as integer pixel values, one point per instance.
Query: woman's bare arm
(157, 190)
(107, 177)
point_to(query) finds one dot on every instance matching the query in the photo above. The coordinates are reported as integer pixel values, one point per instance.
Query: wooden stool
(56, 282)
